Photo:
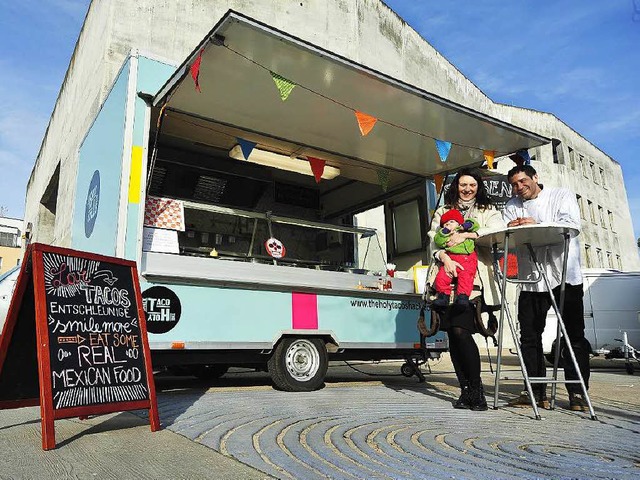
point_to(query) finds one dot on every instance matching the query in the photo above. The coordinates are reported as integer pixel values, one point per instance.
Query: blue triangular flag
(443, 149)
(246, 146)
(521, 157)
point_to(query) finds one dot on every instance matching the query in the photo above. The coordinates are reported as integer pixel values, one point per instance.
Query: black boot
(465, 397)
(478, 402)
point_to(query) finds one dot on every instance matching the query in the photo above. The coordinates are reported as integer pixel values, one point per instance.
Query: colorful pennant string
(284, 86)
(383, 179)
(317, 167)
(246, 146)
(365, 122)
(443, 149)
(438, 180)
(195, 70)
(489, 155)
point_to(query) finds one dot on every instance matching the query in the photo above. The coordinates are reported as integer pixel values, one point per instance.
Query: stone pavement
(370, 423)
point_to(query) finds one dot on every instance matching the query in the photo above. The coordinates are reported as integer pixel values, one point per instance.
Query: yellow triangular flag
(284, 86)
(489, 155)
(365, 122)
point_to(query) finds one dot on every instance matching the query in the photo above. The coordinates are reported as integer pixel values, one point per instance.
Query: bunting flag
(246, 146)
(284, 86)
(365, 122)
(521, 157)
(438, 180)
(317, 167)
(443, 149)
(195, 70)
(489, 155)
(383, 179)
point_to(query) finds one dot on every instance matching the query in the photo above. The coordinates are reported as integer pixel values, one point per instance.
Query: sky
(578, 60)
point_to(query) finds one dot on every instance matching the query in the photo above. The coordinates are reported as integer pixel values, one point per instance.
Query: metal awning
(238, 91)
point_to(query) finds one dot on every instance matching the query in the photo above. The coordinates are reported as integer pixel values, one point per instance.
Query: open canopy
(239, 96)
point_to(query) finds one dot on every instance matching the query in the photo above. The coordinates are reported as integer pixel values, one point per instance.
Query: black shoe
(462, 300)
(442, 301)
(464, 401)
(478, 401)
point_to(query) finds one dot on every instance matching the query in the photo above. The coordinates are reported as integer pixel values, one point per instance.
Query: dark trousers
(464, 352)
(532, 315)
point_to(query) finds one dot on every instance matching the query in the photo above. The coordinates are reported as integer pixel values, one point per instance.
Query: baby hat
(451, 215)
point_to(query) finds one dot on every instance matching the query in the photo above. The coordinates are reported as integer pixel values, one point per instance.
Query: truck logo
(163, 309)
(92, 203)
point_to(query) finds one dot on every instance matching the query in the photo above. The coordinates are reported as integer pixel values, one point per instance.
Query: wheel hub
(302, 360)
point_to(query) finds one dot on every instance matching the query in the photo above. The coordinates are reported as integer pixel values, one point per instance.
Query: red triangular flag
(317, 167)
(365, 122)
(195, 70)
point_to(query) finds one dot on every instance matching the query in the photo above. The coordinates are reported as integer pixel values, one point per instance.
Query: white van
(7, 284)
(611, 306)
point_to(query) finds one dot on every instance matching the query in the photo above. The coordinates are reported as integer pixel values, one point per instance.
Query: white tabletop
(537, 235)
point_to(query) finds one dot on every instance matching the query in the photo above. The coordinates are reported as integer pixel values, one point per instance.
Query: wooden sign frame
(33, 270)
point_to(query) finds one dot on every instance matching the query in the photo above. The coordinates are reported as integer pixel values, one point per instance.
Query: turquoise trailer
(276, 198)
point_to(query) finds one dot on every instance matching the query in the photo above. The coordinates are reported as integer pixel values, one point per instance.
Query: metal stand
(501, 278)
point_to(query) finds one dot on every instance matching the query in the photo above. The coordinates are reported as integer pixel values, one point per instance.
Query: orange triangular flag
(365, 122)
(489, 155)
(317, 167)
(438, 179)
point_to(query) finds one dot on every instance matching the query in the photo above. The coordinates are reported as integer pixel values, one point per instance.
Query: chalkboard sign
(82, 315)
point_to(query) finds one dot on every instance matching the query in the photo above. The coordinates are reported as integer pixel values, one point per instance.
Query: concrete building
(364, 31)
(10, 243)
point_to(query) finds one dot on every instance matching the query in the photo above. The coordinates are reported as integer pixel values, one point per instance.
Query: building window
(601, 217)
(610, 260)
(558, 152)
(8, 239)
(611, 224)
(587, 255)
(581, 207)
(602, 177)
(593, 172)
(572, 160)
(583, 166)
(592, 211)
(619, 262)
(599, 257)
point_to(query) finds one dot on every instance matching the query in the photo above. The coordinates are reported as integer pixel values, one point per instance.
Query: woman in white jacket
(467, 194)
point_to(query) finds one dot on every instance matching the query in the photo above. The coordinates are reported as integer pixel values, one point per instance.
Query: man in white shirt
(535, 203)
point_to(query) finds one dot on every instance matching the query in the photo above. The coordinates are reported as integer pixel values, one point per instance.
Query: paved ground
(375, 424)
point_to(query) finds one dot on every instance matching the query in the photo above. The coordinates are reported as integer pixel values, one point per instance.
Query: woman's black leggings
(465, 356)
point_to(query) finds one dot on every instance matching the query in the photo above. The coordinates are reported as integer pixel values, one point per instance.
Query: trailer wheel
(298, 364)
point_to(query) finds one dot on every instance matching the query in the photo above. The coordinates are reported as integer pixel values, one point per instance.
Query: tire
(210, 372)
(298, 364)
(406, 370)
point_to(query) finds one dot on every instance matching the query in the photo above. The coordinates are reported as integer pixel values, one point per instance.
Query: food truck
(276, 198)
